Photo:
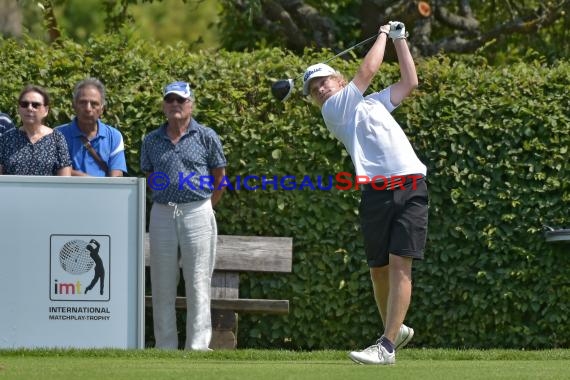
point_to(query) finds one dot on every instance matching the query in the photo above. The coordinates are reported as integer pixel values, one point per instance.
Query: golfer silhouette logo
(99, 275)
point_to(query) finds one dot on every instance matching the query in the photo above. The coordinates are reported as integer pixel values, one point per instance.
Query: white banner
(71, 262)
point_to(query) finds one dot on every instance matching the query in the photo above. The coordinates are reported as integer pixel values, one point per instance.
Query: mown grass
(427, 364)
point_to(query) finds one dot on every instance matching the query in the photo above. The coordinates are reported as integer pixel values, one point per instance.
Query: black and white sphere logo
(75, 258)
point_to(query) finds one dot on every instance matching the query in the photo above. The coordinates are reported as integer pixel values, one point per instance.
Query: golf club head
(282, 89)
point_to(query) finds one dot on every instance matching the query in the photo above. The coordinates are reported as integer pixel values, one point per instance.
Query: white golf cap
(181, 89)
(315, 71)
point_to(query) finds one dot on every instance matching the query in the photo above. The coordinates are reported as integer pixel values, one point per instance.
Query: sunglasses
(35, 105)
(176, 99)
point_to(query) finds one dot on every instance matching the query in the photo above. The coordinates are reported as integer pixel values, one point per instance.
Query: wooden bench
(237, 254)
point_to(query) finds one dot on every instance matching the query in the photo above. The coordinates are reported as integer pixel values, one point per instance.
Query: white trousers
(192, 228)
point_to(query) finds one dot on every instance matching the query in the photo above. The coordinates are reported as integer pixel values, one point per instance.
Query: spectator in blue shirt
(5, 123)
(96, 149)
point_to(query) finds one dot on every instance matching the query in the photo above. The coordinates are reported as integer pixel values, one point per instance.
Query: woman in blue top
(34, 149)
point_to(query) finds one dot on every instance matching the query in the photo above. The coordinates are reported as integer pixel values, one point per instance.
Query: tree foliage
(160, 21)
(498, 29)
(441, 26)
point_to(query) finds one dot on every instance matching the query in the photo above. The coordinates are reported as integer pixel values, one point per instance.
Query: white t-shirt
(375, 141)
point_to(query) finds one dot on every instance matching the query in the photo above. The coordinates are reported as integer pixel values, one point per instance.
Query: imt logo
(79, 267)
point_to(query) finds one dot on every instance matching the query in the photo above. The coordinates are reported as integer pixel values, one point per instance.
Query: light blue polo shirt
(108, 144)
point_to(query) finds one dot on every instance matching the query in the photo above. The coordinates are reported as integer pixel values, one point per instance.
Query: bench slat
(249, 253)
(252, 305)
(246, 305)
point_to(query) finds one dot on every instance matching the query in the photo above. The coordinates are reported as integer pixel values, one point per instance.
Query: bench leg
(224, 330)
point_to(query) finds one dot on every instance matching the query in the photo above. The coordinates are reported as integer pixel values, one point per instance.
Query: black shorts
(394, 222)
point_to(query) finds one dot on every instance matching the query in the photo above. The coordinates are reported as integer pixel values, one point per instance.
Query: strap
(96, 156)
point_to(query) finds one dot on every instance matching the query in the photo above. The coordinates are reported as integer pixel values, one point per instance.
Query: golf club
(282, 88)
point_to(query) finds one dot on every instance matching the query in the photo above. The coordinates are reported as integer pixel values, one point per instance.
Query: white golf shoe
(375, 354)
(404, 336)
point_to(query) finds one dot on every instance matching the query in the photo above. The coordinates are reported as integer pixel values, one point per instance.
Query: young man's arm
(372, 61)
(409, 78)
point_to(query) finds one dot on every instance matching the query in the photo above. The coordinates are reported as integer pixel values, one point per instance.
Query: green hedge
(495, 140)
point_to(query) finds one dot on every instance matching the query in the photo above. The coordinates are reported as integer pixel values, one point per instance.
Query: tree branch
(467, 22)
(528, 24)
(288, 28)
(301, 25)
(322, 28)
(465, 9)
(50, 20)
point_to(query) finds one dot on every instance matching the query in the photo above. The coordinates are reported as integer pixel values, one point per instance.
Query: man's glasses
(35, 105)
(172, 99)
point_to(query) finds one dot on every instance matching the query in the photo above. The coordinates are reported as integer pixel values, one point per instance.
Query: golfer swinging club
(99, 275)
(394, 219)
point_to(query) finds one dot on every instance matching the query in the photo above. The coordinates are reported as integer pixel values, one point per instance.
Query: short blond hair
(341, 79)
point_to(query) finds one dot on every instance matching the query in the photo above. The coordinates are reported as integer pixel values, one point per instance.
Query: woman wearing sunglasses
(34, 149)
